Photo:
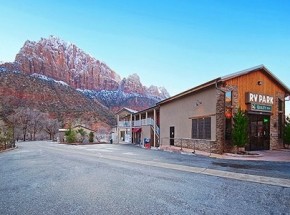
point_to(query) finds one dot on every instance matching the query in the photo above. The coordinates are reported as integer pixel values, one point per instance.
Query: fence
(188, 144)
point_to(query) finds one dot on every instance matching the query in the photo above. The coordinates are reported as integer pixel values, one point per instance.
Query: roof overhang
(130, 111)
(257, 68)
(228, 77)
(156, 107)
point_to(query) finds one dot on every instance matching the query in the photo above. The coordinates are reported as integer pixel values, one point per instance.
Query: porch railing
(137, 123)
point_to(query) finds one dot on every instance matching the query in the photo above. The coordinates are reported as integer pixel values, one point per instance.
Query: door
(259, 127)
(171, 135)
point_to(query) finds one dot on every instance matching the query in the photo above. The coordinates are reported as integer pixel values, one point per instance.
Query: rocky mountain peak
(132, 84)
(63, 61)
(158, 91)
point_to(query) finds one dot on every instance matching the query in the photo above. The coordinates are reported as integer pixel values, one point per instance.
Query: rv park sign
(259, 102)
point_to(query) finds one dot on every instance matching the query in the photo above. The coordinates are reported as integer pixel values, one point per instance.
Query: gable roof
(228, 77)
(128, 110)
(254, 69)
(156, 107)
(81, 126)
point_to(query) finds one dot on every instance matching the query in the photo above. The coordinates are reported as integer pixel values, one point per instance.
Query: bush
(240, 129)
(91, 137)
(6, 138)
(82, 133)
(70, 136)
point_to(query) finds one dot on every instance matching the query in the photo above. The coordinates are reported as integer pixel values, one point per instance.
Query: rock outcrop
(62, 61)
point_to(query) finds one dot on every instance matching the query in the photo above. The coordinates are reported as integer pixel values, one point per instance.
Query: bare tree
(51, 127)
(5, 107)
(13, 122)
(26, 121)
(36, 123)
(23, 117)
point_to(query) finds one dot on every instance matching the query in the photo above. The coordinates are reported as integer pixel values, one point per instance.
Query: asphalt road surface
(49, 178)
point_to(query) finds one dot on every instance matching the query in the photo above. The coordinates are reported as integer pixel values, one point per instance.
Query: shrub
(91, 137)
(70, 136)
(240, 129)
(83, 134)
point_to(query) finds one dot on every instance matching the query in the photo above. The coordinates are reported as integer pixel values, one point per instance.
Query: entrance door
(171, 135)
(259, 127)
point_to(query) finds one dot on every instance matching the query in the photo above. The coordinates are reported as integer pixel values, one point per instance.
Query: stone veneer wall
(222, 144)
(220, 121)
(197, 144)
(275, 142)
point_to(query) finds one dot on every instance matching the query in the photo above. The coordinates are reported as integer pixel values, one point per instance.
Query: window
(228, 98)
(207, 128)
(280, 105)
(201, 128)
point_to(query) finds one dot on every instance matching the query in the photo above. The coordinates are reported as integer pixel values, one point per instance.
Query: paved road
(48, 178)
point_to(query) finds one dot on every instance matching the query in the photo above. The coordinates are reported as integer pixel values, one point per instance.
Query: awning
(136, 130)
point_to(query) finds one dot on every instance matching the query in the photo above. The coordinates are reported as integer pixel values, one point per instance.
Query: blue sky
(177, 44)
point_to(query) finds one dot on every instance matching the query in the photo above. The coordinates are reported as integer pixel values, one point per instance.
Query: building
(136, 127)
(99, 137)
(124, 128)
(203, 116)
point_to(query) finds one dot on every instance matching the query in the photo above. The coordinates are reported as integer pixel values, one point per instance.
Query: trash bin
(147, 143)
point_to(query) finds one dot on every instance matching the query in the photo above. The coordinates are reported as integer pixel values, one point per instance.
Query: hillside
(53, 97)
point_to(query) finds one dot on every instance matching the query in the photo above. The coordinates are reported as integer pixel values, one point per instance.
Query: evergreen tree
(91, 137)
(83, 134)
(240, 129)
(70, 135)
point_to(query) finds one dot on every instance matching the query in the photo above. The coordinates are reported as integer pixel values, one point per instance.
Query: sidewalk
(282, 155)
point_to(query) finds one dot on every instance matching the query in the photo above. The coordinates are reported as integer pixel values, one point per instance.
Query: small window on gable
(280, 105)
(228, 98)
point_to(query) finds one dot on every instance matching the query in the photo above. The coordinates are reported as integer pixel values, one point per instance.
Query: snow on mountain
(53, 58)
(43, 77)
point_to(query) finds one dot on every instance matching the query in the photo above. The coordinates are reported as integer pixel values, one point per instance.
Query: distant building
(99, 137)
